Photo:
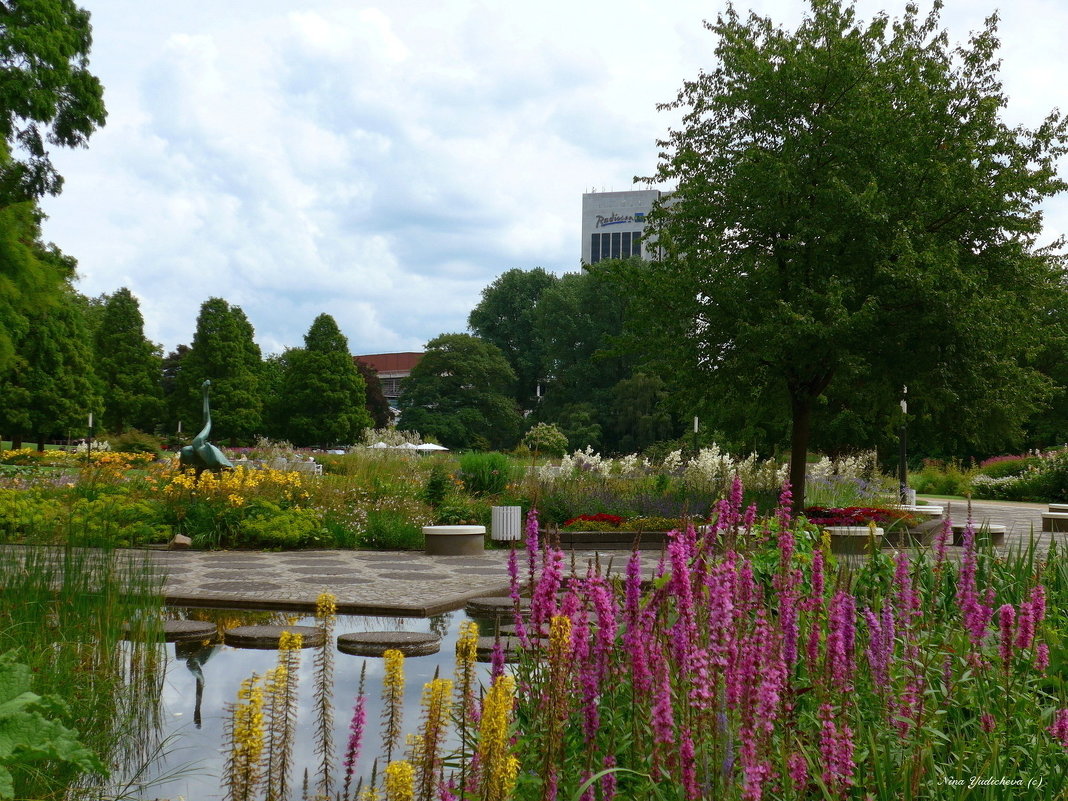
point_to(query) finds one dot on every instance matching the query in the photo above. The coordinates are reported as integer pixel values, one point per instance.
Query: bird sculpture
(201, 454)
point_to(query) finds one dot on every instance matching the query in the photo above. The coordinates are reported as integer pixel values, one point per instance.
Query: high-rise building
(613, 225)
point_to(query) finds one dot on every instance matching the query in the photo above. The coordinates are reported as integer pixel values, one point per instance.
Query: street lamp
(695, 451)
(902, 467)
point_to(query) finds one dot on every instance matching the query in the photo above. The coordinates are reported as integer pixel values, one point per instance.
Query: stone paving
(364, 582)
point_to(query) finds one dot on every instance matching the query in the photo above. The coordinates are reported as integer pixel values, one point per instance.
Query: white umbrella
(380, 445)
(407, 445)
(430, 446)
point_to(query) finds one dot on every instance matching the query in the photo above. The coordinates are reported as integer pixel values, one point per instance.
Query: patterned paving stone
(332, 581)
(240, 586)
(331, 569)
(413, 575)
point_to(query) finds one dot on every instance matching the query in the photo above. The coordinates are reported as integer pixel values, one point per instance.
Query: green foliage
(506, 317)
(29, 730)
(485, 473)
(270, 526)
(323, 394)
(128, 366)
(225, 353)
(938, 478)
(546, 439)
(461, 394)
(391, 530)
(376, 403)
(437, 485)
(134, 441)
(1009, 467)
(826, 195)
(51, 383)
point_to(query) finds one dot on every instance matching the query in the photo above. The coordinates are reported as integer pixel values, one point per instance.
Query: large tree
(47, 94)
(850, 206)
(49, 388)
(323, 393)
(225, 352)
(128, 365)
(506, 318)
(376, 403)
(461, 393)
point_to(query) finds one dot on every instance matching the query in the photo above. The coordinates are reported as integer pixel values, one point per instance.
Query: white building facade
(613, 225)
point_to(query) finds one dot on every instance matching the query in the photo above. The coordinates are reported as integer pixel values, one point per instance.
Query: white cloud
(383, 163)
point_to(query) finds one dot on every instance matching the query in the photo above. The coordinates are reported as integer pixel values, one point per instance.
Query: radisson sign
(620, 219)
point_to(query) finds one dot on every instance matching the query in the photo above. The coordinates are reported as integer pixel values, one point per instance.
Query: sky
(385, 162)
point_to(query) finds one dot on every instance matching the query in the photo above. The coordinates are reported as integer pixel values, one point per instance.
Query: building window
(615, 245)
(625, 250)
(595, 248)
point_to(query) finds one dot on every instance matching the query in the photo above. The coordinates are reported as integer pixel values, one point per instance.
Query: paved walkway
(415, 584)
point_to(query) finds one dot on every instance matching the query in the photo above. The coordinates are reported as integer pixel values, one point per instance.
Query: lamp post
(902, 467)
(695, 450)
(89, 442)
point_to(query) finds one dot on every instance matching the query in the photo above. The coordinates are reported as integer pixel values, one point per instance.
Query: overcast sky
(383, 162)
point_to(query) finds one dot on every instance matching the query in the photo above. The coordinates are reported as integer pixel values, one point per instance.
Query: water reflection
(212, 673)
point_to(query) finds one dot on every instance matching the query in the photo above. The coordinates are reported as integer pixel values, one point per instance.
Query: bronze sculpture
(201, 454)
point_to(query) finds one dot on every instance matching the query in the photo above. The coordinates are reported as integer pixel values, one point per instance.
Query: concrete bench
(1058, 507)
(854, 539)
(922, 510)
(454, 540)
(1055, 521)
(992, 532)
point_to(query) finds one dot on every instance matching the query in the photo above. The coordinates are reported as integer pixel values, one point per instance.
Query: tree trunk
(16, 442)
(40, 443)
(799, 436)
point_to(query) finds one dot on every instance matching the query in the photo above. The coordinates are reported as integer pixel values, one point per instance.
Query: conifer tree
(223, 351)
(128, 365)
(323, 393)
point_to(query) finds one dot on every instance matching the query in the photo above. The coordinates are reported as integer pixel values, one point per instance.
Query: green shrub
(134, 441)
(437, 485)
(546, 439)
(391, 530)
(940, 478)
(1009, 467)
(485, 473)
(283, 528)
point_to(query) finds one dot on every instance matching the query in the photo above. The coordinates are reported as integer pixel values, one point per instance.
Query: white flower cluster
(96, 445)
(860, 465)
(391, 436)
(717, 467)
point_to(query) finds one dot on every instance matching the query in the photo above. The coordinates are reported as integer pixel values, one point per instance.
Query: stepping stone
(495, 606)
(376, 643)
(267, 637)
(183, 630)
(510, 646)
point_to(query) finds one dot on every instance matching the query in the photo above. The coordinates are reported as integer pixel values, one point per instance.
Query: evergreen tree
(128, 365)
(323, 392)
(50, 388)
(223, 351)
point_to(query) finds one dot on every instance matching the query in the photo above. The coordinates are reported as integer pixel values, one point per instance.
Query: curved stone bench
(454, 540)
(853, 539)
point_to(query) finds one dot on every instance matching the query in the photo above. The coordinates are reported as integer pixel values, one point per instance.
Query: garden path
(363, 582)
(1020, 520)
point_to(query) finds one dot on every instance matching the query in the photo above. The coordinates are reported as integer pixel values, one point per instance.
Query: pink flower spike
(1059, 727)
(1006, 621)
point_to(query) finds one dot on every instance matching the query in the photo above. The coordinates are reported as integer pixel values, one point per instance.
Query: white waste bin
(507, 523)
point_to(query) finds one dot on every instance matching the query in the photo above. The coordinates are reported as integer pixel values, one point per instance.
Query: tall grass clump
(485, 473)
(65, 613)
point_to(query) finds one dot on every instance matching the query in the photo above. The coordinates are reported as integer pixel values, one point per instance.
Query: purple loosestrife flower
(513, 581)
(356, 727)
(684, 630)
(1059, 727)
(877, 652)
(784, 512)
(533, 546)
(496, 660)
(688, 759)
(1041, 658)
(840, 640)
(976, 616)
(836, 748)
(1006, 622)
(663, 717)
(608, 780)
(1025, 627)
(750, 518)
(942, 539)
(906, 599)
(797, 765)
(817, 577)
(607, 611)
(543, 603)
(986, 722)
(1038, 603)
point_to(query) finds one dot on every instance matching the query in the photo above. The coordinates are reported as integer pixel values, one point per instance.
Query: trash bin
(506, 523)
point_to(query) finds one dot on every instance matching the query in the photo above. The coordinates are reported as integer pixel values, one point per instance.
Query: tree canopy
(506, 317)
(323, 393)
(128, 365)
(223, 351)
(460, 393)
(47, 94)
(852, 211)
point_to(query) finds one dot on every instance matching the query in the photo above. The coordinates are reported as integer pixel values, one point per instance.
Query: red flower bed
(852, 516)
(612, 520)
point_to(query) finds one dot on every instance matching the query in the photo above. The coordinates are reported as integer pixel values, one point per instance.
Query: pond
(193, 759)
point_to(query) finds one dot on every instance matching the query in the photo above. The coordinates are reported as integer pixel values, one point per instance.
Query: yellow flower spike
(399, 777)
(290, 641)
(499, 770)
(326, 606)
